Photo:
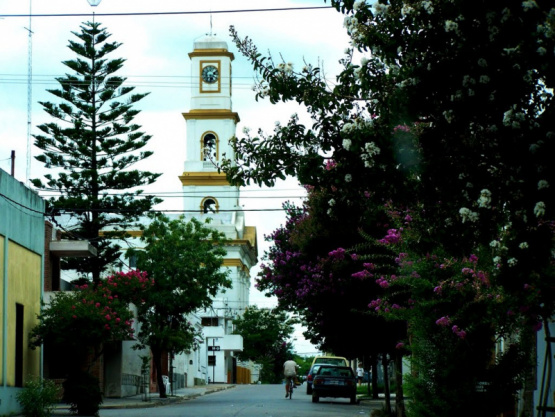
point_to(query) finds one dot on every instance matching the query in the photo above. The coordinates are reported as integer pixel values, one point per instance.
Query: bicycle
(291, 383)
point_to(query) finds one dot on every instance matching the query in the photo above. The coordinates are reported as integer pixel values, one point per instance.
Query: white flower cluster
(358, 4)
(263, 90)
(428, 7)
(370, 150)
(529, 5)
(513, 118)
(406, 10)
(348, 178)
(347, 128)
(380, 8)
(485, 198)
(347, 144)
(286, 68)
(331, 202)
(512, 262)
(523, 245)
(350, 23)
(449, 116)
(539, 209)
(467, 214)
(451, 26)
(542, 184)
(495, 244)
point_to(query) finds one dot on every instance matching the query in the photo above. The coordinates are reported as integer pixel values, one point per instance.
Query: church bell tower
(211, 124)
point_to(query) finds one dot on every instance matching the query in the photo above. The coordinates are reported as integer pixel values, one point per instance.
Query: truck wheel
(315, 398)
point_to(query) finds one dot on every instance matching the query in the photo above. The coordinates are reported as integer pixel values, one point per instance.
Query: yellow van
(330, 360)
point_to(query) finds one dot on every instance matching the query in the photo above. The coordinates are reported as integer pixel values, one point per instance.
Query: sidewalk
(138, 401)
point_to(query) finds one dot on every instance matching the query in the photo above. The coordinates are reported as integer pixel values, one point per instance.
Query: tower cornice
(211, 52)
(203, 179)
(211, 114)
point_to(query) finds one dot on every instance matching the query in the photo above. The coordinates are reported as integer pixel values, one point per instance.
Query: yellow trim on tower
(203, 178)
(212, 114)
(237, 263)
(212, 52)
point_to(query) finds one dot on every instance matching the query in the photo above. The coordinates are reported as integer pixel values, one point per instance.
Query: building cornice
(236, 263)
(203, 179)
(211, 52)
(212, 114)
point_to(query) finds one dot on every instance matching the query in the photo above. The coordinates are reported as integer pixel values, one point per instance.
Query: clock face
(210, 74)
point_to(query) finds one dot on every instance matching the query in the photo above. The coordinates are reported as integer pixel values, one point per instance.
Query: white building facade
(211, 125)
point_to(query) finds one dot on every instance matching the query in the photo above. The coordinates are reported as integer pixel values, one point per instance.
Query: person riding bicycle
(290, 373)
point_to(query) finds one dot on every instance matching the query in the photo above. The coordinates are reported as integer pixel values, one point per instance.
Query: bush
(38, 397)
(82, 393)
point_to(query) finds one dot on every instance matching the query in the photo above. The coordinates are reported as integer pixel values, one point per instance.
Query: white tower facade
(211, 124)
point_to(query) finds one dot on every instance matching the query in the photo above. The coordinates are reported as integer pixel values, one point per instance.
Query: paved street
(236, 401)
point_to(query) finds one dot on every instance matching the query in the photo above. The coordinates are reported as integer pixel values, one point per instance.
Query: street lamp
(94, 3)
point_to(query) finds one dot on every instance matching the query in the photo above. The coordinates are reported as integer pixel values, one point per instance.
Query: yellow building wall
(1, 304)
(24, 284)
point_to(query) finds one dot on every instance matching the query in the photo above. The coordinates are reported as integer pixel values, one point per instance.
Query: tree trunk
(374, 365)
(399, 396)
(386, 384)
(157, 359)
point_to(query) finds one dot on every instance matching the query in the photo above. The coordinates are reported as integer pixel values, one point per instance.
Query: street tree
(184, 259)
(422, 121)
(76, 325)
(266, 339)
(90, 150)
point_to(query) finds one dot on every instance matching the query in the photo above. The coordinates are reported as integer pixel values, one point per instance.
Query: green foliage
(264, 332)
(82, 392)
(304, 362)
(184, 260)
(93, 150)
(266, 335)
(38, 398)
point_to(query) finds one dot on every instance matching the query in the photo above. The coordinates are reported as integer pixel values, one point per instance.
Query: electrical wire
(281, 9)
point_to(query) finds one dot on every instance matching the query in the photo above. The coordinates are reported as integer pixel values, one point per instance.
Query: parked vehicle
(310, 377)
(331, 360)
(334, 381)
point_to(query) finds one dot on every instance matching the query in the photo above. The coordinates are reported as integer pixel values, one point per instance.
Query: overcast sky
(156, 47)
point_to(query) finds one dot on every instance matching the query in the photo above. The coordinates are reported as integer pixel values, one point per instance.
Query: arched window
(210, 205)
(209, 147)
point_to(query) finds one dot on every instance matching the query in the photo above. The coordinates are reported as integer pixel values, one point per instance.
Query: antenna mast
(29, 94)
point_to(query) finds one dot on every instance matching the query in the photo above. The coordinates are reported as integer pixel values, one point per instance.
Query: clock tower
(211, 125)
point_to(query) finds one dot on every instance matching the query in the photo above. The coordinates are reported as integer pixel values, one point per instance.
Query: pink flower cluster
(393, 236)
(330, 164)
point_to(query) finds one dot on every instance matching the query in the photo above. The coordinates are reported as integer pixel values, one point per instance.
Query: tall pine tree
(91, 148)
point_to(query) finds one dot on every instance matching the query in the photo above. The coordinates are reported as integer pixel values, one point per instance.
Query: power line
(168, 13)
(68, 210)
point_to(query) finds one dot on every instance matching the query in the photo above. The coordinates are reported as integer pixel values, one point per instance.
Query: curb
(63, 409)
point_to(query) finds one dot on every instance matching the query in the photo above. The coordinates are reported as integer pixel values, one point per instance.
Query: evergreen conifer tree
(91, 147)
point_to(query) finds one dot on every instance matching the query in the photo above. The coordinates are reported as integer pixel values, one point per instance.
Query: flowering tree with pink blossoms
(444, 110)
(80, 322)
(76, 325)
